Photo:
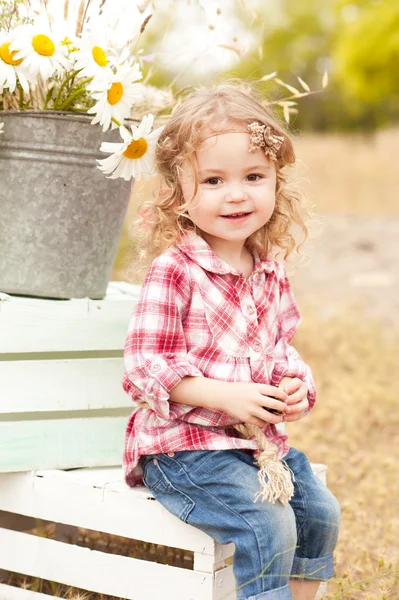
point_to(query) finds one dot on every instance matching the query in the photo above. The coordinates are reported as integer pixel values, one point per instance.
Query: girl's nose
(236, 194)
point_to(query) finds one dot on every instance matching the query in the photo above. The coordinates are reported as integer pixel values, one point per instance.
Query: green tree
(357, 41)
(367, 54)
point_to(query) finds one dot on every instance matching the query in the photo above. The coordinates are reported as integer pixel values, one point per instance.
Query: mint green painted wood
(61, 385)
(61, 401)
(34, 325)
(62, 443)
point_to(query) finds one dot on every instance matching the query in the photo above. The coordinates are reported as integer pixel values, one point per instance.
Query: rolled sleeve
(155, 355)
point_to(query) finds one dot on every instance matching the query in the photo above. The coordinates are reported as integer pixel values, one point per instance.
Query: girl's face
(236, 194)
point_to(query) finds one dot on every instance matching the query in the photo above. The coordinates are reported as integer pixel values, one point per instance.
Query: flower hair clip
(264, 137)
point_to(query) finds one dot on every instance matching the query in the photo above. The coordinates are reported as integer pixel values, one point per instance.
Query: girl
(207, 356)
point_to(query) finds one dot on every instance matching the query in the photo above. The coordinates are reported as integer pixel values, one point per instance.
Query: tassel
(275, 476)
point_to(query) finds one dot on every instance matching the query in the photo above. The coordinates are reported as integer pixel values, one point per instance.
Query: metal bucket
(60, 217)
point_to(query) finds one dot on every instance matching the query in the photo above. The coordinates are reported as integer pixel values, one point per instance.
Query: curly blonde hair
(209, 111)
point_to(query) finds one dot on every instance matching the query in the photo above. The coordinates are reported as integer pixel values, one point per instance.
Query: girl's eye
(213, 180)
(254, 177)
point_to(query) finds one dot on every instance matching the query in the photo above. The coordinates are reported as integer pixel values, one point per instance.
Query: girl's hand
(248, 402)
(297, 402)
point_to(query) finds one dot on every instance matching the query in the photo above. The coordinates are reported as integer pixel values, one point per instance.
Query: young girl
(208, 357)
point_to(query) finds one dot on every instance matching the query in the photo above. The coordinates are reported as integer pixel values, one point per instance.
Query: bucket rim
(55, 114)
(63, 115)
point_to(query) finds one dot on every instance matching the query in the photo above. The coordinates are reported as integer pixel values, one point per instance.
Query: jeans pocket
(167, 493)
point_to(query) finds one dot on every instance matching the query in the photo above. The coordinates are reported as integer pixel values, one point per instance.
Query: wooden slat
(95, 571)
(9, 592)
(33, 325)
(133, 513)
(320, 470)
(59, 385)
(62, 443)
(224, 585)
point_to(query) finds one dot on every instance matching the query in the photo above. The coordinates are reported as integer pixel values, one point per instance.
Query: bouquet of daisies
(44, 66)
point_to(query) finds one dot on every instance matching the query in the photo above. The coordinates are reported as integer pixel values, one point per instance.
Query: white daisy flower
(115, 95)
(39, 50)
(11, 69)
(135, 156)
(1, 127)
(93, 56)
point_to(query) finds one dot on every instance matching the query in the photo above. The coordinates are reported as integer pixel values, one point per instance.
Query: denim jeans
(214, 491)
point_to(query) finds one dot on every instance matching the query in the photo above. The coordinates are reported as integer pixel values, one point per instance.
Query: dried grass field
(348, 294)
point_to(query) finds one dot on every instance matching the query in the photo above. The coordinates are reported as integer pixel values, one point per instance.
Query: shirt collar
(195, 247)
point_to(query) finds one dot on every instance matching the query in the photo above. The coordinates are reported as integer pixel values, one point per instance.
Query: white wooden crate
(98, 499)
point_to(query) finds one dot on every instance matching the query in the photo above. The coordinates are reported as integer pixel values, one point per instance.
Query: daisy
(115, 95)
(39, 50)
(1, 126)
(12, 69)
(93, 57)
(135, 156)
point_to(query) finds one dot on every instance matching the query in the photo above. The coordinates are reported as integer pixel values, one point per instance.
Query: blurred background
(347, 142)
(346, 134)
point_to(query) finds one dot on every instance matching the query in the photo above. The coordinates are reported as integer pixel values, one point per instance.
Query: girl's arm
(245, 402)
(288, 362)
(155, 355)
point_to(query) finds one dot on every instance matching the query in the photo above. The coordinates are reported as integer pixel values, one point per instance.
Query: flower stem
(62, 86)
(78, 92)
(21, 96)
(116, 122)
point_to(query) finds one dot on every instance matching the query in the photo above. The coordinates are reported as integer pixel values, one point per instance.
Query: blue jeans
(214, 491)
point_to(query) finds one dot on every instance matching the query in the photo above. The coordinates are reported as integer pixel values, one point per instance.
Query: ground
(353, 260)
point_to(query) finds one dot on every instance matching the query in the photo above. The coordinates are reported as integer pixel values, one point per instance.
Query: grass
(351, 174)
(354, 429)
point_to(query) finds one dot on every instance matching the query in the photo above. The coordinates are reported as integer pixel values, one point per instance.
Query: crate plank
(62, 443)
(60, 385)
(95, 571)
(132, 513)
(9, 592)
(31, 325)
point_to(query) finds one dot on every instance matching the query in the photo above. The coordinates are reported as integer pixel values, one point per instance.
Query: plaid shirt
(198, 316)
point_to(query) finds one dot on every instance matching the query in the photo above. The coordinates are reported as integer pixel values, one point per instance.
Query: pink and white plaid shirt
(198, 316)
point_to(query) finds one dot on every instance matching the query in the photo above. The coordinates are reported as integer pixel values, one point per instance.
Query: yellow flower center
(43, 45)
(136, 148)
(8, 56)
(115, 93)
(99, 56)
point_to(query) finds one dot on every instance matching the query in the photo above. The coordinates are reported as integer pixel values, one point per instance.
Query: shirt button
(154, 460)
(257, 347)
(155, 367)
(171, 453)
(250, 309)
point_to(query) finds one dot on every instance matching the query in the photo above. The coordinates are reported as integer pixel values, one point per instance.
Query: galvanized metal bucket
(60, 217)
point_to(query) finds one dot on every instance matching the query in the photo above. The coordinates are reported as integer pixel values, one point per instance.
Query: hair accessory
(263, 136)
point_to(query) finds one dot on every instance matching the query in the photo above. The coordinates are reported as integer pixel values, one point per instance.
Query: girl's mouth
(237, 216)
